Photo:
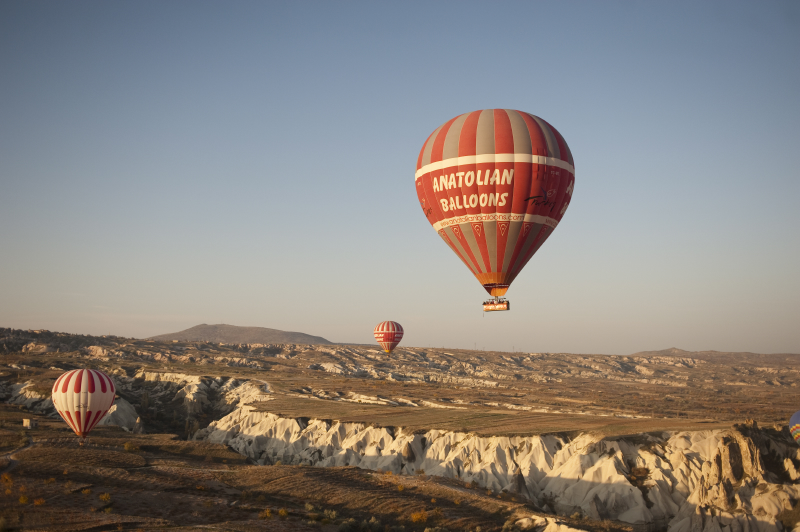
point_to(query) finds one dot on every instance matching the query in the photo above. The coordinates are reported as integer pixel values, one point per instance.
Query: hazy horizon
(164, 165)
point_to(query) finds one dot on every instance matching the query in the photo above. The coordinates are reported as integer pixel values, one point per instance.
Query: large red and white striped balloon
(495, 184)
(82, 397)
(388, 334)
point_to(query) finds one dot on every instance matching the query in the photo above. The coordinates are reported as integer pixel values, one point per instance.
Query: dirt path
(10, 456)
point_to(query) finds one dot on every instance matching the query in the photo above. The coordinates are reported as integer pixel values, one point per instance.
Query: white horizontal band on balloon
(495, 158)
(496, 217)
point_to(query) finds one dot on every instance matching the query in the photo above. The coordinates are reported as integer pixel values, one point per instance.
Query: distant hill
(717, 356)
(231, 334)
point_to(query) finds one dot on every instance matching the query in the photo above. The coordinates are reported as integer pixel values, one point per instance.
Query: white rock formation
(543, 524)
(121, 414)
(193, 392)
(23, 394)
(703, 481)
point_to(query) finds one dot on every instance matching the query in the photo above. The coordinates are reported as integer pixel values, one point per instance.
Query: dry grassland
(183, 485)
(482, 421)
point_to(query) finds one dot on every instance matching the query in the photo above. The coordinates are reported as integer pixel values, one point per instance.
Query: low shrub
(283, 513)
(130, 447)
(349, 525)
(38, 502)
(400, 487)
(23, 499)
(105, 497)
(86, 491)
(266, 514)
(419, 517)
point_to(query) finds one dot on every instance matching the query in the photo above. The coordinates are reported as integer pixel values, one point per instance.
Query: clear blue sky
(165, 164)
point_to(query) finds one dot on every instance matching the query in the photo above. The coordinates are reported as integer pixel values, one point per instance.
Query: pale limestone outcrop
(193, 392)
(24, 394)
(121, 414)
(701, 481)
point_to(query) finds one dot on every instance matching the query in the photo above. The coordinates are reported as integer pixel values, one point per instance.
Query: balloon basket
(496, 304)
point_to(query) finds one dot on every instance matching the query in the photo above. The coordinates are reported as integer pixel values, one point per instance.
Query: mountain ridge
(234, 334)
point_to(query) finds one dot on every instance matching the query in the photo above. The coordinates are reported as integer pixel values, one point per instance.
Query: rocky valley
(666, 440)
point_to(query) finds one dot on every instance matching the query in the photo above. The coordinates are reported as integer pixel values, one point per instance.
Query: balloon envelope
(494, 184)
(388, 334)
(82, 397)
(794, 426)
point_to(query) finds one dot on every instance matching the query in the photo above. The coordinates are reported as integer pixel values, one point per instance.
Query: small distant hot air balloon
(388, 334)
(82, 397)
(494, 185)
(794, 426)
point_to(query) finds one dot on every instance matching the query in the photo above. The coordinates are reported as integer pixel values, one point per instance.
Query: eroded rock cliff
(735, 480)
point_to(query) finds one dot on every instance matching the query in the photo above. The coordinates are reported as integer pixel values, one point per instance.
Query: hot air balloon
(494, 184)
(82, 397)
(388, 334)
(794, 426)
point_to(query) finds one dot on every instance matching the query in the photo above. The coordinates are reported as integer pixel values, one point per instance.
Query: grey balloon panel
(426, 155)
(511, 242)
(549, 137)
(472, 242)
(522, 265)
(522, 137)
(527, 244)
(485, 133)
(460, 248)
(490, 233)
(451, 140)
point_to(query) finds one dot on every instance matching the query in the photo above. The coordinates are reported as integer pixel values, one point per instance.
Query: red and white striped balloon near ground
(388, 334)
(82, 397)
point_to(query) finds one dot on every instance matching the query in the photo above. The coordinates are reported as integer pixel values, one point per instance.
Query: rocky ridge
(740, 479)
(736, 480)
